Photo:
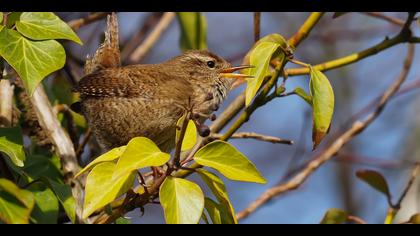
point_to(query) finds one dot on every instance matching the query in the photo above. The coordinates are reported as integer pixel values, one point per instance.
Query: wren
(123, 102)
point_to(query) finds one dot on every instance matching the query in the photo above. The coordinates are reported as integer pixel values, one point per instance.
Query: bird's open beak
(228, 73)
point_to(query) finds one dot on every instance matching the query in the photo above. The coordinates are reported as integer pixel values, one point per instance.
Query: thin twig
(154, 36)
(331, 150)
(78, 23)
(381, 15)
(251, 135)
(413, 176)
(257, 26)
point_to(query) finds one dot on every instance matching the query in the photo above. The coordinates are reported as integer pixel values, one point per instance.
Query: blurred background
(390, 145)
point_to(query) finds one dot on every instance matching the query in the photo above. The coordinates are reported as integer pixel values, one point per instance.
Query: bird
(146, 100)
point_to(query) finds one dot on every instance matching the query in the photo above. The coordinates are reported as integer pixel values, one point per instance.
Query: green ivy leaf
(108, 156)
(193, 30)
(32, 60)
(102, 189)
(46, 205)
(334, 216)
(45, 25)
(15, 204)
(37, 166)
(12, 18)
(182, 201)
(218, 188)
(375, 180)
(140, 152)
(11, 144)
(190, 137)
(306, 97)
(1, 17)
(65, 196)
(415, 219)
(260, 59)
(323, 105)
(228, 161)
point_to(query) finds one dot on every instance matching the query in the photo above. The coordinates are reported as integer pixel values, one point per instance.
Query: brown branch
(78, 23)
(154, 36)
(382, 16)
(257, 26)
(61, 141)
(251, 135)
(331, 150)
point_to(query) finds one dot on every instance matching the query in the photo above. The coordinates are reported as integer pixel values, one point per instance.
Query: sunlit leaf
(193, 30)
(190, 137)
(1, 17)
(108, 156)
(323, 105)
(218, 188)
(334, 216)
(15, 204)
(375, 180)
(415, 219)
(271, 38)
(182, 201)
(65, 196)
(306, 97)
(45, 25)
(32, 60)
(140, 152)
(46, 205)
(228, 161)
(260, 59)
(11, 144)
(102, 189)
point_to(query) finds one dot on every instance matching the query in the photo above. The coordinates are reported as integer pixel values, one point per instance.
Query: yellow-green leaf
(182, 201)
(11, 144)
(334, 216)
(32, 60)
(1, 17)
(140, 152)
(218, 188)
(15, 204)
(214, 210)
(323, 105)
(101, 188)
(193, 30)
(45, 25)
(260, 59)
(415, 219)
(108, 156)
(375, 180)
(228, 161)
(190, 137)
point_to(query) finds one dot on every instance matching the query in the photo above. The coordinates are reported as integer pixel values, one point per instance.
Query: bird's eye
(211, 64)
